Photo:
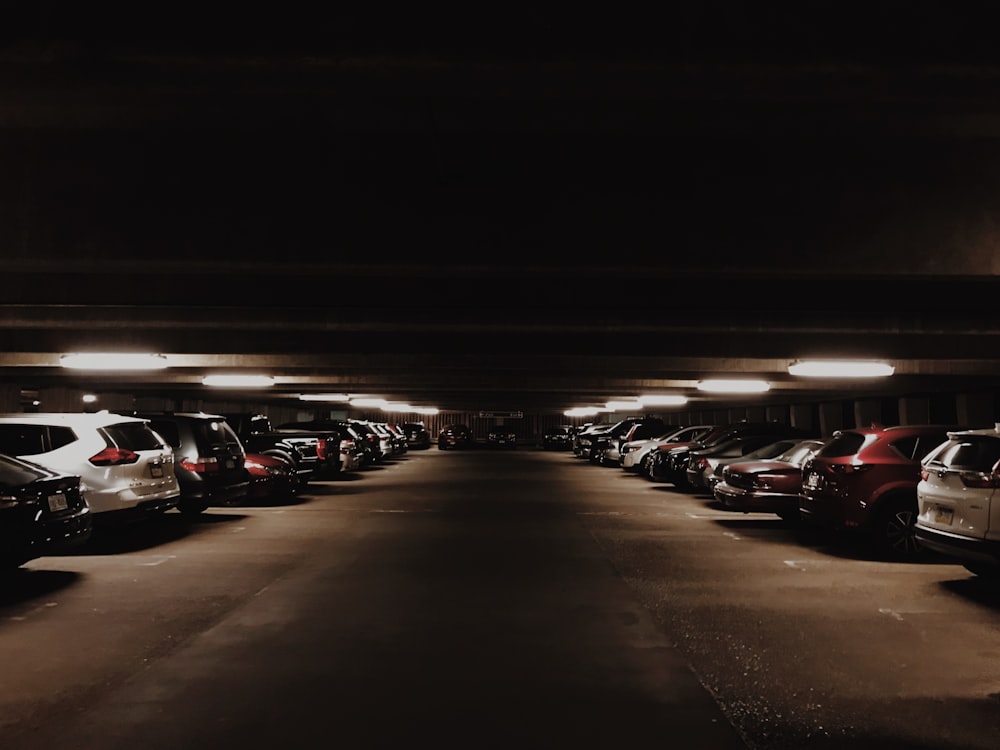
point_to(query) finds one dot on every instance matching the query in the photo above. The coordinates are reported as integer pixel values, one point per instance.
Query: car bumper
(748, 501)
(821, 511)
(959, 547)
(23, 537)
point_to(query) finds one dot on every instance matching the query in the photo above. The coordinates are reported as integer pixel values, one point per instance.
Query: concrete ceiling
(482, 227)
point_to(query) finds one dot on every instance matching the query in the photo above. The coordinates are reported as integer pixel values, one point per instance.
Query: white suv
(124, 467)
(956, 493)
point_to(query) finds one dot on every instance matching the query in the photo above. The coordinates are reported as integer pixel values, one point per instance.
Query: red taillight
(924, 475)
(978, 479)
(201, 464)
(703, 463)
(114, 457)
(321, 449)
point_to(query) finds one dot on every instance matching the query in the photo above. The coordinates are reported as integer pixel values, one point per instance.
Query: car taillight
(201, 464)
(321, 448)
(702, 463)
(114, 457)
(978, 479)
(924, 475)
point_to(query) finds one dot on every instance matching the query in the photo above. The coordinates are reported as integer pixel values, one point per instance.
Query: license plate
(943, 516)
(155, 471)
(57, 503)
(813, 481)
(230, 464)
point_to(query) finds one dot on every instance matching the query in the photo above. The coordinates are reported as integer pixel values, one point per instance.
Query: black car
(501, 436)
(417, 435)
(208, 458)
(557, 438)
(454, 436)
(42, 512)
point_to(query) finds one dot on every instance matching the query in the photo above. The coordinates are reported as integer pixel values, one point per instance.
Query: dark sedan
(558, 438)
(42, 512)
(454, 436)
(501, 437)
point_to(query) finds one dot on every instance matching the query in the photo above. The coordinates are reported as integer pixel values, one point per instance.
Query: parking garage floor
(492, 599)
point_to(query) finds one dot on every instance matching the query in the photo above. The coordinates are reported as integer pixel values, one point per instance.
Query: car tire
(894, 530)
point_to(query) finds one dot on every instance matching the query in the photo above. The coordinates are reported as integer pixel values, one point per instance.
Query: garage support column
(10, 398)
(867, 411)
(800, 416)
(976, 409)
(914, 411)
(831, 417)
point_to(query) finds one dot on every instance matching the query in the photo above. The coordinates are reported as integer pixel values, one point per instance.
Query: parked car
(271, 478)
(608, 452)
(330, 436)
(703, 463)
(865, 480)
(584, 439)
(208, 458)
(672, 465)
(42, 512)
(399, 436)
(126, 470)
(501, 436)
(417, 435)
(557, 438)
(635, 453)
(305, 451)
(956, 514)
(454, 436)
(765, 485)
(660, 466)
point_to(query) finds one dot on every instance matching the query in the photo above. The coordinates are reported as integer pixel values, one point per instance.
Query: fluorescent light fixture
(397, 406)
(425, 410)
(663, 400)
(113, 361)
(623, 405)
(89, 398)
(376, 403)
(238, 381)
(339, 397)
(733, 386)
(841, 368)
(581, 411)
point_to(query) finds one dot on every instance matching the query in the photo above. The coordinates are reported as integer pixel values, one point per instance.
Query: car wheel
(895, 529)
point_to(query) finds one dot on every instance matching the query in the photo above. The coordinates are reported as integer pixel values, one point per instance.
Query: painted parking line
(158, 560)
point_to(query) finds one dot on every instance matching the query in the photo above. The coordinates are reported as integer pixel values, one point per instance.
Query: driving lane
(456, 598)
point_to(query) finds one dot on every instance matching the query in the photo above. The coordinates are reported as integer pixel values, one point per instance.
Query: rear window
(968, 453)
(17, 474)
(168, 431)
(133, 436)
(842, 444)
(214, 434)
(32, 439)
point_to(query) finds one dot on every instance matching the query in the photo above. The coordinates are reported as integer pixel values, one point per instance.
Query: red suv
(865, 479)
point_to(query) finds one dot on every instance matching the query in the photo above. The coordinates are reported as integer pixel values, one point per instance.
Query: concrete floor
(484, 599)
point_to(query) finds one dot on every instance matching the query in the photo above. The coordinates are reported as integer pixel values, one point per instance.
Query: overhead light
(89, 398)
(113, 361)
(581, 411)
(376, 403)
(841, 368)
(238, 381)
(734, 386)
(663, 400)
(339, 397)
(396, 406)
(623, 405)
(425, 410)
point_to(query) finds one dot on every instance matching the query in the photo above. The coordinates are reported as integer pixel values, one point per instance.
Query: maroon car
(767, 485)
(865, 479)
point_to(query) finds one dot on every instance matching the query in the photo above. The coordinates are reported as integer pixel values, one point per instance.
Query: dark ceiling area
(513, 212)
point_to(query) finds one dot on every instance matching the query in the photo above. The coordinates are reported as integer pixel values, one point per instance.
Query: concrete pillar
(801, 417)
(976, 409)
(914, 411)
(778, 414)
(867, 411)
(831, 417)
(10, 398)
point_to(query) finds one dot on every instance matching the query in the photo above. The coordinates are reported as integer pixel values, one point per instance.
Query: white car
(956, 514)
(634, 451)
(125, 468)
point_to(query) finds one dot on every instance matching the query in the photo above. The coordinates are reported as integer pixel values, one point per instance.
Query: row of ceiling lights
(810, 368)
